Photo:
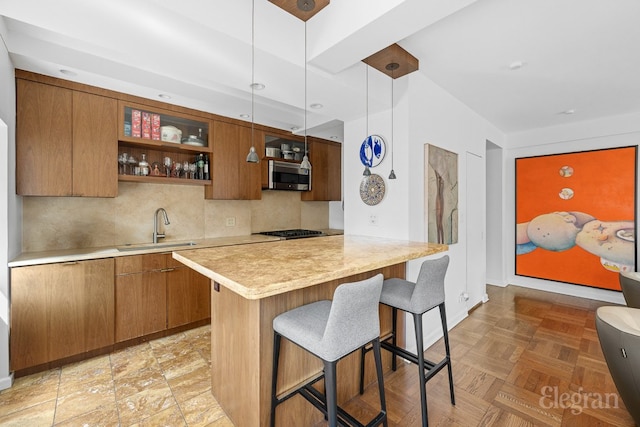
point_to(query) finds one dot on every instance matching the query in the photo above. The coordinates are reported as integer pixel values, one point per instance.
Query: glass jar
(144, 165)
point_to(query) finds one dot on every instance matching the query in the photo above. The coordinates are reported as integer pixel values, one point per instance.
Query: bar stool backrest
(353, 320)
(429, 289)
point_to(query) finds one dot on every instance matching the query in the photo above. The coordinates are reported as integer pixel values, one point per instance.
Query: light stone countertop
(70, 255)
(259, 271)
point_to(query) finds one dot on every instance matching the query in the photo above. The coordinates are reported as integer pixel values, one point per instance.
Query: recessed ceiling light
(569, 111)
(516, 65)
(333, 137)
(164, 96)
(257, 86)
(316, 106)
(294, 128)
(68, 73)
(245, 116)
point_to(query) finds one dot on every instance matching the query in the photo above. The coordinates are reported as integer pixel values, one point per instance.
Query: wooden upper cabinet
(44, 138)
(233, 178)
(65, 142)
(95, 147)
(326, 171)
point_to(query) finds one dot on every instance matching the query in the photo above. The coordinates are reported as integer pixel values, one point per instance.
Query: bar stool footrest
(317, 399)
(431, 368)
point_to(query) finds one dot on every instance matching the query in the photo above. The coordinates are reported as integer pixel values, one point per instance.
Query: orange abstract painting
(576, 216)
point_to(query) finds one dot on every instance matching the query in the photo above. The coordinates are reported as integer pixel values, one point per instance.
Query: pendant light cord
(253, 65)
(392, 138)
(252, 157)
(367, 99)
(392, 174)
(367, 171)
(306, 164)
(305, 88)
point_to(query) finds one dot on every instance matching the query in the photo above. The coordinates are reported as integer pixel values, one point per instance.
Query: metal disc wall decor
(372, 189)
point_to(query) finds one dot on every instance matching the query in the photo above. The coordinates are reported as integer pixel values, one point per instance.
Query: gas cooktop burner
(293, 234)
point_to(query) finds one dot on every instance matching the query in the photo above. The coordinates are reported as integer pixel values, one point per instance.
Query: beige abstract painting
(441, 198)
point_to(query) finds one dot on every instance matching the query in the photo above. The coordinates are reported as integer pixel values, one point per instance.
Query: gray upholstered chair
(619, 333)
(330, 330)
(417, 298)
(630, 284)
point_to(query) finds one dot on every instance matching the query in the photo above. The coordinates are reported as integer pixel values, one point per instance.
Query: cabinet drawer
(140, 263)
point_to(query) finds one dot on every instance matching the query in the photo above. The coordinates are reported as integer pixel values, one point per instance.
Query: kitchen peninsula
(254, 283)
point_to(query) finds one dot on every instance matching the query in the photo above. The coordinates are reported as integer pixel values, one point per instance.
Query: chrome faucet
(156, 234)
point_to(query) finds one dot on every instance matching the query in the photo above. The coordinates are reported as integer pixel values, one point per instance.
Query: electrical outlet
(231, 221)
(373, 219)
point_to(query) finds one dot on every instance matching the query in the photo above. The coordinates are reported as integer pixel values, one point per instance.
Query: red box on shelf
(155, 127)
(146, 125)
(136, 123)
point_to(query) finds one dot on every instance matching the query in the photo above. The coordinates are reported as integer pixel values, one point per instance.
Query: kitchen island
(252, 284)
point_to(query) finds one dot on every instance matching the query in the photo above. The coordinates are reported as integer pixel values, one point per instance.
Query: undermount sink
(154, 246)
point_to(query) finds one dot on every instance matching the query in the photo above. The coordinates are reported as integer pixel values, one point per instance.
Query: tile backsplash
(51, 223)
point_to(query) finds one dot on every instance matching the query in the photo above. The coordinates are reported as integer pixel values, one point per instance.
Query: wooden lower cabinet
(68, 309)
(188, 295)
(141, 296)
(153, 293)
(60, 310)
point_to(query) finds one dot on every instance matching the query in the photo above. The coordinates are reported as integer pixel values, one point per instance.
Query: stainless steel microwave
(288, 176)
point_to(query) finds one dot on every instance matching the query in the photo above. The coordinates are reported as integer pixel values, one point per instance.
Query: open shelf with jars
(278, 147)
(175, 146)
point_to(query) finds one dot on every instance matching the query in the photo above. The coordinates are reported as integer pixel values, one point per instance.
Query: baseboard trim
(6, 382)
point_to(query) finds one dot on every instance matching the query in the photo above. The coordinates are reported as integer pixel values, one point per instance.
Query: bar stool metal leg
(394, 340)
(331, 392)
(417, 320)
(445, 334)
(378, 358)
(277, 338)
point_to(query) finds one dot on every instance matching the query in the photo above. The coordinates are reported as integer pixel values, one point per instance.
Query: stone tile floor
(162, 382)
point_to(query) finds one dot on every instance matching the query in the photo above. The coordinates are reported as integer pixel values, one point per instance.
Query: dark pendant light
(305, 159)
(252, 157)
(392, 67)
(367, 171)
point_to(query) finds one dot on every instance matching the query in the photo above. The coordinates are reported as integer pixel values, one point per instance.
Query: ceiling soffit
(291, 6)
(385, 59)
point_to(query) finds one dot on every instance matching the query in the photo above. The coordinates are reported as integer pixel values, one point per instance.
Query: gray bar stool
(619, 334)
(630, 285)
(417, 299)
(330, 331)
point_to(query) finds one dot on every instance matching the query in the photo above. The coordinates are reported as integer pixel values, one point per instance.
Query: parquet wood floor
(525, 358)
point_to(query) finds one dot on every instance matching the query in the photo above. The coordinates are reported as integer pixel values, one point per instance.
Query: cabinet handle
(166, 270)
(70, 263)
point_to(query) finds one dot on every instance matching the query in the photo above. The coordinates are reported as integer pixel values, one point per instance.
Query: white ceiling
(579, 55)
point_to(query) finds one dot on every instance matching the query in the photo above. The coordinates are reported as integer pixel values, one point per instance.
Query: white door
(476, 246)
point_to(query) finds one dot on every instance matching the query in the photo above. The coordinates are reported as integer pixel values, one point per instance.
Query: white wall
(10, 205)
(424, 113)
(606, 132)
(496, 275)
